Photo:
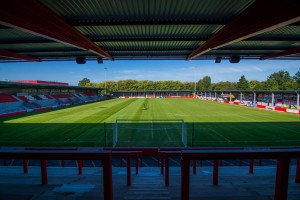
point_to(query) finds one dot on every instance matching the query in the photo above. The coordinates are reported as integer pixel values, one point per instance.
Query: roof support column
(254, 98)
(298, 99)
(273, 100)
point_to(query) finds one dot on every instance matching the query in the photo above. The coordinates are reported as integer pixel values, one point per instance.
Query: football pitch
(151, 123)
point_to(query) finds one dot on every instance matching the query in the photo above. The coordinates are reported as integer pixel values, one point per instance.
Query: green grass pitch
(212, 124)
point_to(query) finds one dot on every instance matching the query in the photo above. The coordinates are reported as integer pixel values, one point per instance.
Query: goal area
(149, 133)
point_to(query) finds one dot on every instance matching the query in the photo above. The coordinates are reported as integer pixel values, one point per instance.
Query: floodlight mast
(105, 69)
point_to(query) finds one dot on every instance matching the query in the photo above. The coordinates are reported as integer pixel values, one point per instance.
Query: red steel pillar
(297, 177)
(185, 178)
(25, 166)
(282, 179)
(128, 171)
(136, 165)
(194, 166)
(107, 177)
(251, 166)
(161, 165)
(215, 172)
(80, 164)
(44, 172)
(167, 171)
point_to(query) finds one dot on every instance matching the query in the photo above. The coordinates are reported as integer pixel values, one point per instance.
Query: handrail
(59, 154)
(283, 157)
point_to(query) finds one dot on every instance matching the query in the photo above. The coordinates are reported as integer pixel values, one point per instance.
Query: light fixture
(100, 60)
(218, 59)
(234, 59)
(80, 60)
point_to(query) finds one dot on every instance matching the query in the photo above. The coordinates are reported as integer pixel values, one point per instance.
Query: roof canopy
(40, 30)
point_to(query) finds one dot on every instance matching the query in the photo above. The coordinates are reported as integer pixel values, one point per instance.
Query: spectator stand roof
(45, 30)
(8, 84)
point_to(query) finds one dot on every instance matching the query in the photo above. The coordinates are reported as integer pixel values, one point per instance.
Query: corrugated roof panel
(149, 53)
(286, 32)
(9, 34)
(242, 52)
(149, 30)
(148, 9)
(276, 45)
(49, 46)
(163, 44)
(61, 54)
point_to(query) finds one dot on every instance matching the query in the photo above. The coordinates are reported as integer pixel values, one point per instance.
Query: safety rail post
(44, 172)
(194, 166)
(161, 166)
(297, 177)
(241, 162)
(215, 172)
(128, 171)
(25, 166)
(107, 177)
(80, 163)
(251, 166)
(62, 163)
(136, 165)
(141, 161)
(185, 178)
(282, 179)
(166, 170)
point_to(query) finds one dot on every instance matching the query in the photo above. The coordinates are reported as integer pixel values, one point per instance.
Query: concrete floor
(235, 183)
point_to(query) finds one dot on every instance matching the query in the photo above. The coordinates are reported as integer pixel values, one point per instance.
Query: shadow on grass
(157, 134)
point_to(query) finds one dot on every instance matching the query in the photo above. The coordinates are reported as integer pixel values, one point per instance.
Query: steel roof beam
(9, 54)
(259, 17)
(290, 52)
(34, 17)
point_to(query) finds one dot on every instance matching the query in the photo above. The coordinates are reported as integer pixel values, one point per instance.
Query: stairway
(148, 187)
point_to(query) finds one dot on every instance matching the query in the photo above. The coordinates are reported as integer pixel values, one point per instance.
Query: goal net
(149, 133)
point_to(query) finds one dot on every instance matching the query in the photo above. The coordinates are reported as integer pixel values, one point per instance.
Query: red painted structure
(282, 154)
(41, 82)
(283, 157)
(259, 17)
(37, 19)
(66, 154)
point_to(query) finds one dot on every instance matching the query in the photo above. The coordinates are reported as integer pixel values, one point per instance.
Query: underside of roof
(45, 30)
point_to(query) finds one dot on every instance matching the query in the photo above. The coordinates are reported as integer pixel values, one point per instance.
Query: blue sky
(70, 72)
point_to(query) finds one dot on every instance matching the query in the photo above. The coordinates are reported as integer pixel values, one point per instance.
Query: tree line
(281, 80)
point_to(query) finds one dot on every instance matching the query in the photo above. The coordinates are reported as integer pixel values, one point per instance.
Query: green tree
(296, 78)
(242, 84)
(225, 86)
(84, 82)
(205, 83)
(280, 80)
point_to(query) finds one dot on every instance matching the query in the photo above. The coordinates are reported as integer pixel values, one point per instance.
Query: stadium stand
(7, 98)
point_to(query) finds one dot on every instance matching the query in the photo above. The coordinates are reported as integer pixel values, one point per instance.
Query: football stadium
(60, 141)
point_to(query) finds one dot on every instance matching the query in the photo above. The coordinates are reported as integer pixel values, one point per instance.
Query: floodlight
(80, 60)
(234, 59)
(100, 60)
(218, 59)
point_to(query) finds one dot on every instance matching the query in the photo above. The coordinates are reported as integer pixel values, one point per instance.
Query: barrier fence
(283, 157)
(282, 154)
(64, 154)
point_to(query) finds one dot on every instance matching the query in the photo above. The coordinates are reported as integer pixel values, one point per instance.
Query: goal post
(149, 133)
